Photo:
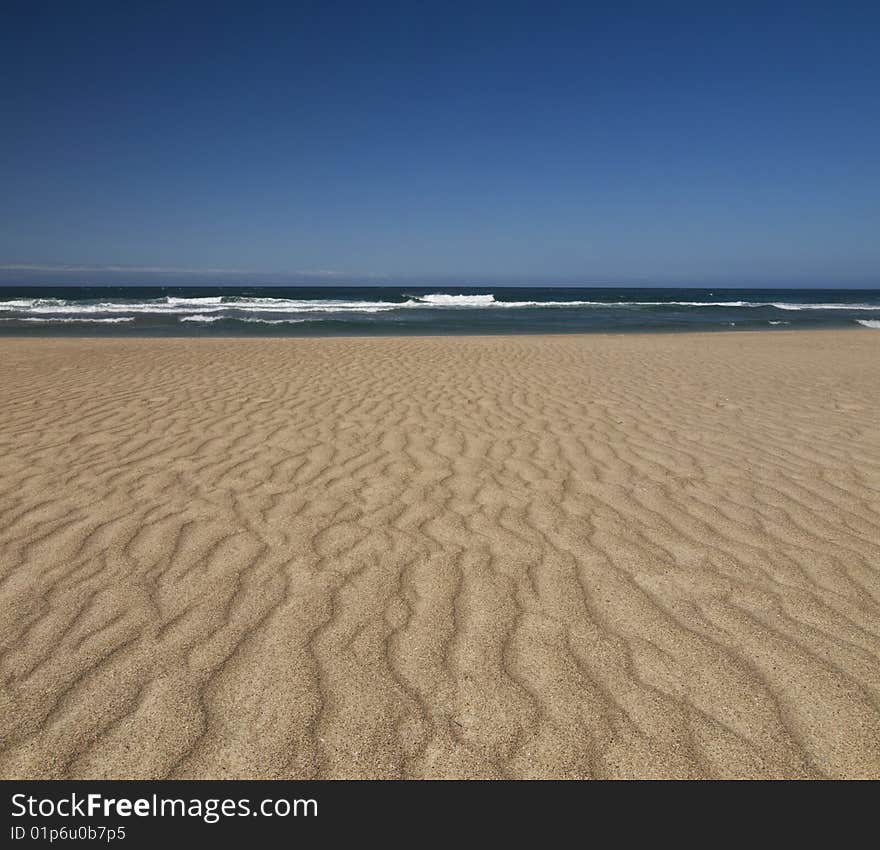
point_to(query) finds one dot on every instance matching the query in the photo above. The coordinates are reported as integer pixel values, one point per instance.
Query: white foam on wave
(311, 307)
(74, 308)
(16, 305)
(784, 306)
(242, 302)
(779, 323)
(66, 320)
(442, 299)
(194, 302)
(277, 321)
(30, 303)
(196, 317)
(869, 323)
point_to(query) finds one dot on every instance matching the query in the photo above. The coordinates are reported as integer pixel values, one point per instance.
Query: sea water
(398, 310)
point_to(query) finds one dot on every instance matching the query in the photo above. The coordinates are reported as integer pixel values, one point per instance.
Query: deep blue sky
(614, 142)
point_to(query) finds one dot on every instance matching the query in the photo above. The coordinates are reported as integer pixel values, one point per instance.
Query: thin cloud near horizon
(61, 267)
(48, 274)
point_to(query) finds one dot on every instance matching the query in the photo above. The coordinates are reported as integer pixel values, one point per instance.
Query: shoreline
(269, 336)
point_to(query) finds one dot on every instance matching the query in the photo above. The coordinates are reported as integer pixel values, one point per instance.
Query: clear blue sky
(614, 142)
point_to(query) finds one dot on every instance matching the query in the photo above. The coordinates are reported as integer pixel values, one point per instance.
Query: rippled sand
(572, 556)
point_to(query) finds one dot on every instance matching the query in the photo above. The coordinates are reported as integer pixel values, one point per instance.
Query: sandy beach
(605, 556)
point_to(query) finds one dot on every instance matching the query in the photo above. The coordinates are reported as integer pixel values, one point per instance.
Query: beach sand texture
(571, 556)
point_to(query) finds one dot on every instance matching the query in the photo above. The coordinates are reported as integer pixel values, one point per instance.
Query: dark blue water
(323, 311)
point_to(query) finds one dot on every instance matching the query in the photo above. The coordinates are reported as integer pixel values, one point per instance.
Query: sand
(571, 556)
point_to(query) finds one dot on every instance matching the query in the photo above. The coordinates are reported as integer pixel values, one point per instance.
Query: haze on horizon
(524, 142)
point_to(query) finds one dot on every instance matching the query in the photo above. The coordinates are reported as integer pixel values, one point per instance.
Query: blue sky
(618, 142)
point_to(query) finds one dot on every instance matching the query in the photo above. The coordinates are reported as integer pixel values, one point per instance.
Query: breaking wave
(70, 321)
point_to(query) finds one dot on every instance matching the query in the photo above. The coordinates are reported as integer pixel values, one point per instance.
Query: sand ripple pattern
(631, 556)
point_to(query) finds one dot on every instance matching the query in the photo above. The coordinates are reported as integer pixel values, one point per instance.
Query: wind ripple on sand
(600, 556)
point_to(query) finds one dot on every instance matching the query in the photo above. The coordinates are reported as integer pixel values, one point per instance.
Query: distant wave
(67, 320)
(200, 318)
(873, 307)
(277, 321)
(442, 299)
(195, 302)
(30, 303)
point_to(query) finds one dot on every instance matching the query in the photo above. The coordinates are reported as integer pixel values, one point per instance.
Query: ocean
(399, 310)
